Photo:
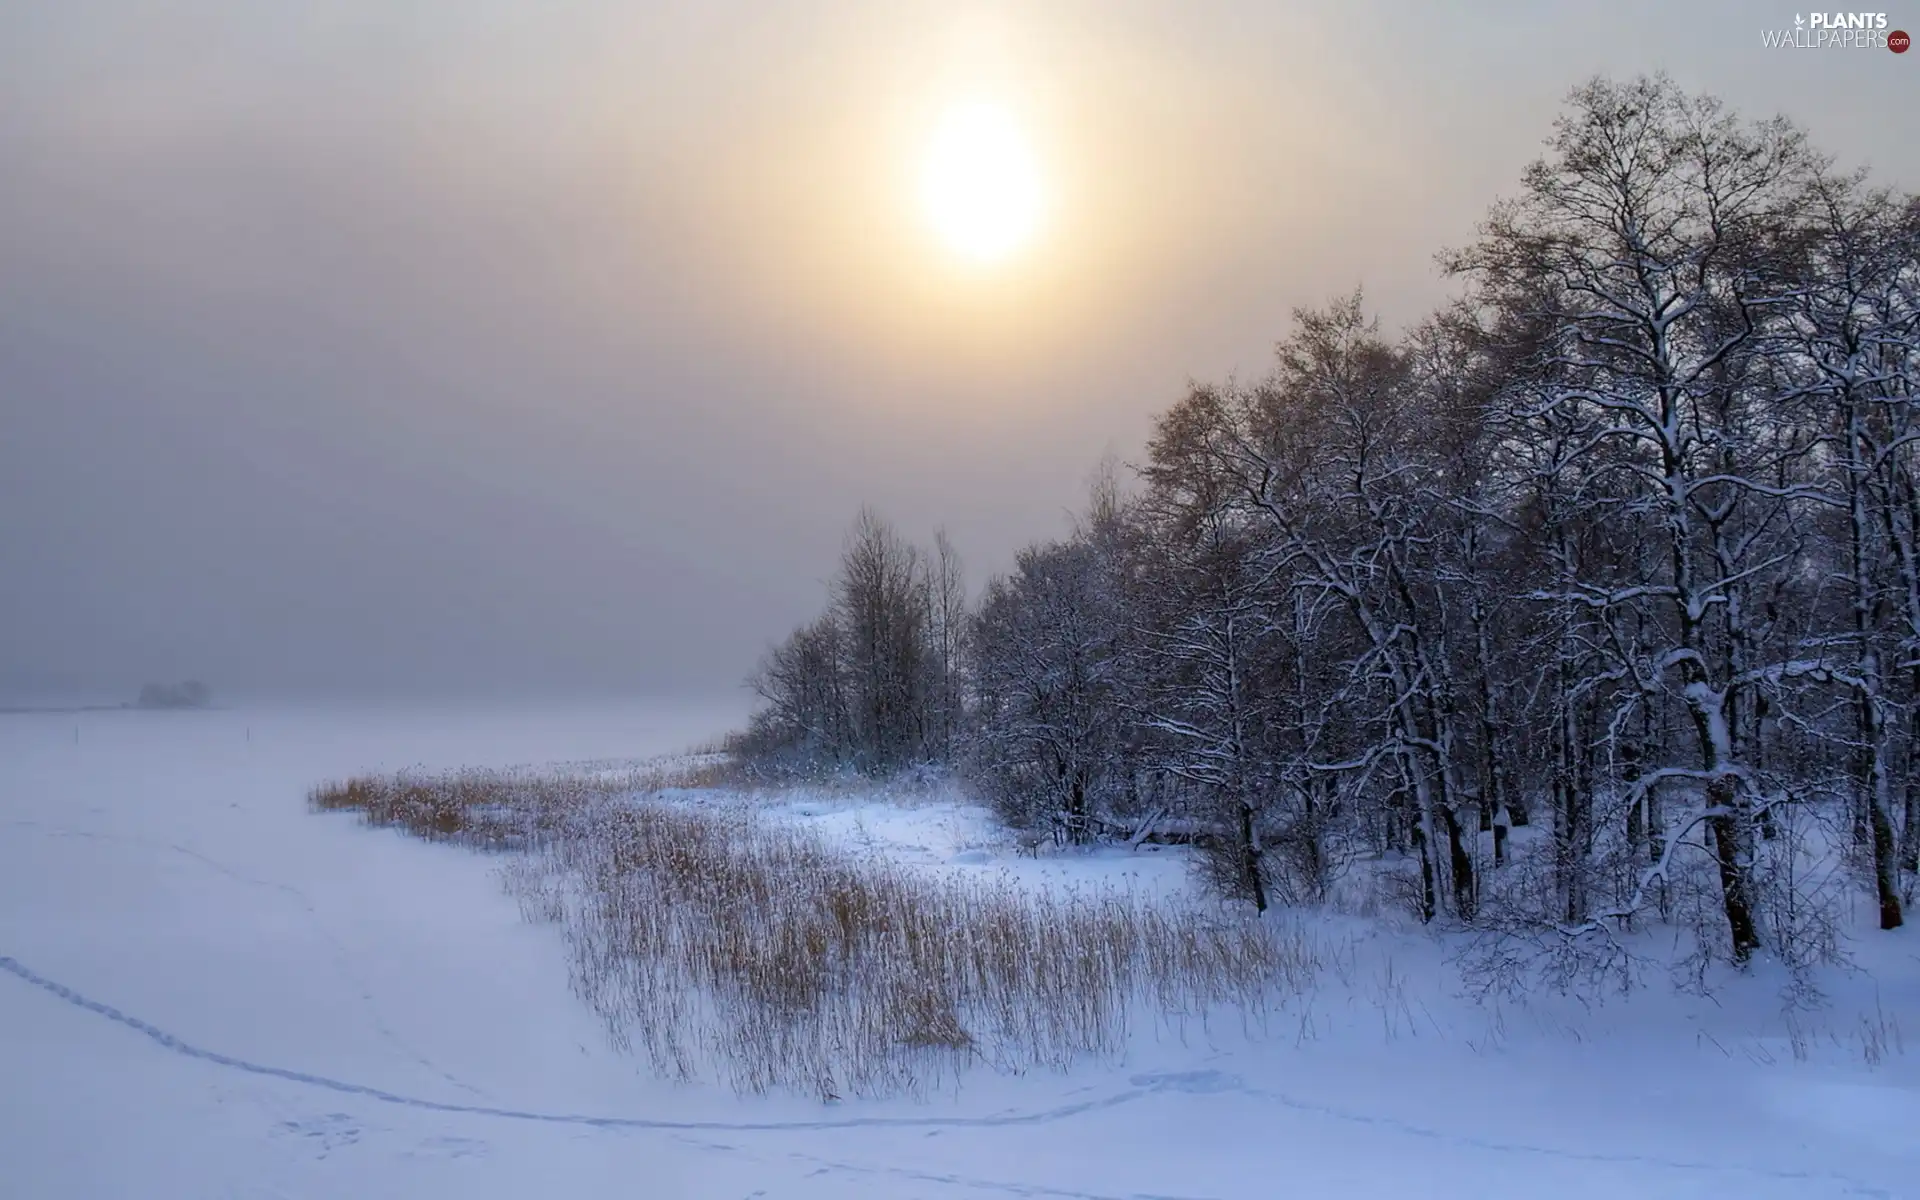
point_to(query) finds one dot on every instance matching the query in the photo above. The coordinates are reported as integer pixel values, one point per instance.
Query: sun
(980, 183)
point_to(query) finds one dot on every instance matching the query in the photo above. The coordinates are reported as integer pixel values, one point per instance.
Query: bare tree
(1049, 726)
(1649, 238)
(803, 684)
(947, 618)
(880, 603)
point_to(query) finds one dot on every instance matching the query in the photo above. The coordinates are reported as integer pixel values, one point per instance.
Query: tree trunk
(1910, 825)
(1429, 899)
(1657, 849)
(1762, 731)
(1871, 784)
(1465, 892)
(1728, 846)
(1314, 853)
(1630, 751)
(1910, 831)
(1886, 870)
(1250, 858)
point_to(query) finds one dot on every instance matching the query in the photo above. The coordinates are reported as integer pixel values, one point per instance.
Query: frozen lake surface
(208, 992)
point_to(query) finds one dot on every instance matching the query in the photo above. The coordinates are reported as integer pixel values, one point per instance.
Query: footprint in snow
(325, 1134)
(450, 1147)
(1191, 1082)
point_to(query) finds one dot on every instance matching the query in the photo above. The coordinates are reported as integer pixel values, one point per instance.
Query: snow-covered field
(206, 991)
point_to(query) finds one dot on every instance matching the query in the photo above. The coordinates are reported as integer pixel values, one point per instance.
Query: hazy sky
(442, 345)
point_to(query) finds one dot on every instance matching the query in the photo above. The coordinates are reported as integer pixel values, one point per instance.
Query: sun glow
(980, 184)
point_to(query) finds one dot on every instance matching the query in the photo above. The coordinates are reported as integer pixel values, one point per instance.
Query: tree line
(1591, 600)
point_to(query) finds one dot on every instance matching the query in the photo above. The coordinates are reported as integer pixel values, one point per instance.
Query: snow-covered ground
(207, 992)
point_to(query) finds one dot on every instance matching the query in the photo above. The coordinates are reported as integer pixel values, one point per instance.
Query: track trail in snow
(187, 1049)
(952, 1179)
(1199, 1082)
(341, 958)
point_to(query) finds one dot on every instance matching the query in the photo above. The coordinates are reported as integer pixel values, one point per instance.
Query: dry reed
(715, 940)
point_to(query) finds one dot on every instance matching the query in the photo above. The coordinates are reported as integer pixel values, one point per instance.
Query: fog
(479, 348)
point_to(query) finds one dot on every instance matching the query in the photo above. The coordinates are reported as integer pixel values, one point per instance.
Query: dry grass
(487, 809)
(716, 941)
(503, 809)
(716, 937)
(1880, 1036)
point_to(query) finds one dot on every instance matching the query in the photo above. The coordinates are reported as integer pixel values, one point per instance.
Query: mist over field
(434, 348)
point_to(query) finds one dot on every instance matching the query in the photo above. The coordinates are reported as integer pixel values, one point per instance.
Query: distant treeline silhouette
(191, 694)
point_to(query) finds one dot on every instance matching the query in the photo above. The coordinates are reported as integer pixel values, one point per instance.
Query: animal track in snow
(1202, 1082)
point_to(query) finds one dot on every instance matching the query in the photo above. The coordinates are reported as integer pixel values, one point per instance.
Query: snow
(940, 830)
(207, 992)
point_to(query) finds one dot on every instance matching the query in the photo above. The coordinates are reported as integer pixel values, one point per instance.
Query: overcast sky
(441, 346)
